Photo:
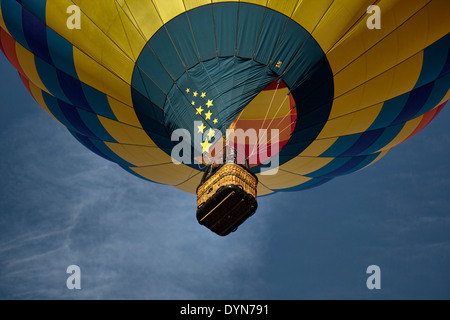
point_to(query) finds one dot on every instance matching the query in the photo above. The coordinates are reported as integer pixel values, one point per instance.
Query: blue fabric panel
(36, 35)
(61, 52)
(98, 102)
(154, 127)
(36, 7)
(434, 60)
(181, 35)
(248, 33)
(202, 24)
(103, 148)
(53, 106)
(296, 52)
(314, 183)
(304, 133)
(365, 141)
(148, 88)
(390, 111)
(359, 163)
(127, 169)
(440, 89)
(147, 107)
(12, 15)
(156, 131)
(389, 134)
(271, 32)
(416, 101)
(231, 84)
(73, 90)
(95, 126)
(292, 150)
(446, 68)
(89, 145)
(226, 23)
(315, 97)
(341, 145)
(350, 166)
(150, 78)
(71, 114)
(326, 171)
(166, 54)
(49, 78)
(152, 120)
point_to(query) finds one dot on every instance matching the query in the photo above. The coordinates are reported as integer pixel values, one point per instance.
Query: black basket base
(226, 210)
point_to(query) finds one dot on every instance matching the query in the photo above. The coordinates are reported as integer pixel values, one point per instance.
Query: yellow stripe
(105, 42)
(140, 156)
(191, 4)
(56, 18)
(356, 122)
(380, 156)
(147, 21)
(126, 134)
(446, 98)
(408, 40)
(169, 174)
(285, 7)
(309, 13)
(395, 82)
(407, 130)
(97, 76)
(260, 2)
(37, 95)
(106, 34)
(191, 185)
(263, 191)
(26, 60)
(337, 21)
(318, 147)
(2, 22)
(124, 113)
(262, 106)
(168, 9)
(360, 38)
(305, 165)
(438, 23)
(282, 180)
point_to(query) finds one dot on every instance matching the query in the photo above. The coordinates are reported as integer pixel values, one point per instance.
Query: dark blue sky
(61, 205)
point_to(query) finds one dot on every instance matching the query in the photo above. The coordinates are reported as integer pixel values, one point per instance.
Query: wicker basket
(227, 198)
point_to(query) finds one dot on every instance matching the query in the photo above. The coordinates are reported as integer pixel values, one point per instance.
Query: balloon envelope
(341, 95)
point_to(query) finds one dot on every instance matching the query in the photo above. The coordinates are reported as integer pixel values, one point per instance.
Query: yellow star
(203, 94)
(199, 110)
(195, 94)
(193, 103)
(201, 128)
(210, 103)
(188, 90)
(211, 134)
(208, 115)
(216, 121)
(206, 146)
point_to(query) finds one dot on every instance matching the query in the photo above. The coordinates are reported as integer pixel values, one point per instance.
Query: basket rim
(228, 164)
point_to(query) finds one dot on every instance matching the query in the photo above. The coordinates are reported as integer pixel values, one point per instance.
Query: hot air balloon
(126, 76)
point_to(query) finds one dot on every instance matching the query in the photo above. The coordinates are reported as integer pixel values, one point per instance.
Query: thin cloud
(131, 238)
